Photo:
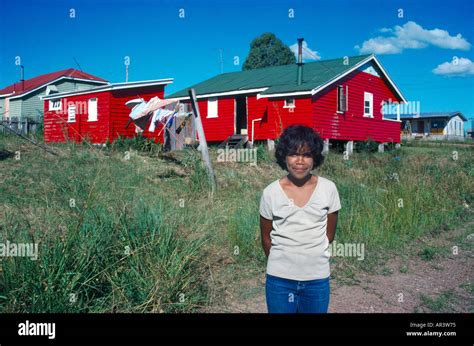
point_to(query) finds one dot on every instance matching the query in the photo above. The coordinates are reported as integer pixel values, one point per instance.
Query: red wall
(112, 116)
(119, 112)
(57, 129)
(352, 125)
(275, 118)
(218, 129)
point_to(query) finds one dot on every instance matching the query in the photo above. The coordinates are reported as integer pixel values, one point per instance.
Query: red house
(97, 114)
(340, 98)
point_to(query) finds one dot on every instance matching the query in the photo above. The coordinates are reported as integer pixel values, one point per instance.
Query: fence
(187, 135)
(23, 125)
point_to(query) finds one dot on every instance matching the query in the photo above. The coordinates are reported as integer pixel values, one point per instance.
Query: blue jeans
(291, 296)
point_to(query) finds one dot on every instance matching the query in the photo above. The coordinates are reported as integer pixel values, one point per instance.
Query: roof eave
(355, 67)
(56, 80)
(224, 93)
(111, 87)
(285, 94)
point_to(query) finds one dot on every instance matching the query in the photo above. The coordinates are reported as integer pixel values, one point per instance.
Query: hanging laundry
(159, 116)
(155, 109)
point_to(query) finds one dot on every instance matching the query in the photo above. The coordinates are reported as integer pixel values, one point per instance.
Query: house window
(341, 99)
(92, 109)
(71, 113)
(289, 103)
(368, 105)
(55, 105)
(212, 108)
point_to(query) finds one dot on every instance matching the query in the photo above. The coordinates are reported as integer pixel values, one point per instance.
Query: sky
(425, 46)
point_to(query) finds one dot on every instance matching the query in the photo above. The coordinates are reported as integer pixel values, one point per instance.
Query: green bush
(138, 143)
(368, 146)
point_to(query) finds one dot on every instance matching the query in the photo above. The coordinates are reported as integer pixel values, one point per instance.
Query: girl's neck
(299, 182)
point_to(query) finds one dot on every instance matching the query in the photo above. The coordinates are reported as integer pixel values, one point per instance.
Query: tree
(268, 50)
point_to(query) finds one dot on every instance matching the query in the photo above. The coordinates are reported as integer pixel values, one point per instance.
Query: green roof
(278, 79)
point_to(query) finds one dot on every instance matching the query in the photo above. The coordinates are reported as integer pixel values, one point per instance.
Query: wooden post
(325, 147)
(202, 139)
(349, 147)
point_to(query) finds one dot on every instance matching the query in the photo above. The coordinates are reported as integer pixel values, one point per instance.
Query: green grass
(441, 303)
(428, 253)
(145, 234)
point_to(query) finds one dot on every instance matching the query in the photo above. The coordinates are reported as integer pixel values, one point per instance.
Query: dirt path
(430, 277)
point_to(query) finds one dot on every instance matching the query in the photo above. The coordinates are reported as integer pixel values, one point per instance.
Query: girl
(298, 217)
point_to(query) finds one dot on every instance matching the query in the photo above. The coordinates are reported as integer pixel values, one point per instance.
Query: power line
(77, 63)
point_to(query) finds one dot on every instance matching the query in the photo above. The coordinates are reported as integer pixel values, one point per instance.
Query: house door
(241, 115)
(421, 126)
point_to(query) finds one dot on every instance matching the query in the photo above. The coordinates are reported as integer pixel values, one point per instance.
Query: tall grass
(144, 235)
(102, 245)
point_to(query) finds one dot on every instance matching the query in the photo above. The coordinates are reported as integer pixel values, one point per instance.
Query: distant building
(23, 99)
(436, 125)
(98, 114)
(469, 127)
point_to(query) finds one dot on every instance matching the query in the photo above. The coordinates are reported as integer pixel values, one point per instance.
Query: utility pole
(221, 61)
(202, 140)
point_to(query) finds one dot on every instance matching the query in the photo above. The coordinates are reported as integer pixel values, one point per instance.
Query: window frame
(89, 118)
(345, 90)
(290, 106)
(371, 104)
(215, 107)
(52, 107)
(71, 119)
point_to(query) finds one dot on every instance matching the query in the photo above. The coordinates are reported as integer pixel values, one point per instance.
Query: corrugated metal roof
(35, 82)
(427, 115)
(277, 79)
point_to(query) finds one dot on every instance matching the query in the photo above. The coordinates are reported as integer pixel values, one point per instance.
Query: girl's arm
(331, 228)
(265, 229)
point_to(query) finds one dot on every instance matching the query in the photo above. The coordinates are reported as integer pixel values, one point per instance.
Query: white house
(438, 125)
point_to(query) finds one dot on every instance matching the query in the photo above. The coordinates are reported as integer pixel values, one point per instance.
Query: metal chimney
(300, 62)
(22, 78)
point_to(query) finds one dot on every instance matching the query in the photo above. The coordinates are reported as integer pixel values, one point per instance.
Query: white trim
(296, 93)
(5, 95)
(253, 128)
(114, 86)
(225, 93)
(397, 121)
(57, 80)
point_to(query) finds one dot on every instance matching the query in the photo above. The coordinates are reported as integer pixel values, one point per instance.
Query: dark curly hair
(293, 138)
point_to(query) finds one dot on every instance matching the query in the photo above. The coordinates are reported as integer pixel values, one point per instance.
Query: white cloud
(411, 36)
(308, 54)
(457, 67)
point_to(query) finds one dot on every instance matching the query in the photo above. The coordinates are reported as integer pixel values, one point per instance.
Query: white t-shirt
(299, 242)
